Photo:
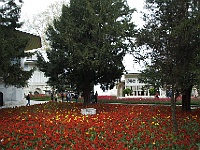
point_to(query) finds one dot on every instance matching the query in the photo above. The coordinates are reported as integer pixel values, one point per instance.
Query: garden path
(32, 103)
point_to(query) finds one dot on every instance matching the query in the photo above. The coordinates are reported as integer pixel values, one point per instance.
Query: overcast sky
(32, 7)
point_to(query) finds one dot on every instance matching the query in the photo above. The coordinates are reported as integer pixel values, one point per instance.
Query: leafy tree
(12, 45)
(151, 76)
(171, 37)
(127, 91)
(88, 43)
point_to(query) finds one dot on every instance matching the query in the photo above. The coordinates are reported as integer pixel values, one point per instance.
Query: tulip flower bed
(57, 125)
(138, 100)
(150, 100)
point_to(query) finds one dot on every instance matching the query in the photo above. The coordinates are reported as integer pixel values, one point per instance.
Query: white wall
(100, 92)
(37, 82)
(12, 95)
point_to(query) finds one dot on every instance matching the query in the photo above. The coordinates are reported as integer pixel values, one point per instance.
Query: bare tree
(38, 23)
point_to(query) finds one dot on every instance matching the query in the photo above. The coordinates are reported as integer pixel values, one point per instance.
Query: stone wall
(12, 95)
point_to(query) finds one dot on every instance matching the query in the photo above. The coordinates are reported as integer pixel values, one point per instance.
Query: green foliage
(12, 46)
(171, 37)
(88, 43)
(152, 91)
(127, 91)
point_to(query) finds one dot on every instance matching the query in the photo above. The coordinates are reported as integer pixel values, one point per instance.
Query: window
(131, 81)
(26, 67)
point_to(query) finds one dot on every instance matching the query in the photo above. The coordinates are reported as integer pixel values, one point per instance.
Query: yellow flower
(91, 128)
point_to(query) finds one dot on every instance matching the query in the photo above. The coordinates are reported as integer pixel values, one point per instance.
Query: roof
(34, 40)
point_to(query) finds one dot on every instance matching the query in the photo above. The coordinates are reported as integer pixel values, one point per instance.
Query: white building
(138, 88)
(12, 95)
(128, 81)
(37, 84)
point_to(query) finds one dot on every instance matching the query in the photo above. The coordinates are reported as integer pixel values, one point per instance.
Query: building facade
(132, 82)
(10, 94)
(37, 84)
(129, 81)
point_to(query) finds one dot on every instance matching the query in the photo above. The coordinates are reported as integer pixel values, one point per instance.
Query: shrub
(152, 91)
(127, 91)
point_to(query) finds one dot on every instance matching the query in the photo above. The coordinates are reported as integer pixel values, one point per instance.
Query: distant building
(130, 81)
(138, 88)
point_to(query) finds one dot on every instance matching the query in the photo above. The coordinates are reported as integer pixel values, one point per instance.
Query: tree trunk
(186, 99)
(86, 91)
(173, 108)
(86, 96)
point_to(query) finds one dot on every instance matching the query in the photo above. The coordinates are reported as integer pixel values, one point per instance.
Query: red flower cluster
(61, 126)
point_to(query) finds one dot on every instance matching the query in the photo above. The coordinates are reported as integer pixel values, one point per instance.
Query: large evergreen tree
(88, 43)
(12, 45)
(172, 35)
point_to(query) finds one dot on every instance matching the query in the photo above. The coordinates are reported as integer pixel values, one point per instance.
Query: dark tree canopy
(171, 34)
(88, 43)
(12, 45)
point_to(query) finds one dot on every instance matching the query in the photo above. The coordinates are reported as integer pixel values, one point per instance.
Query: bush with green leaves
(152, 91)
(127, 91)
